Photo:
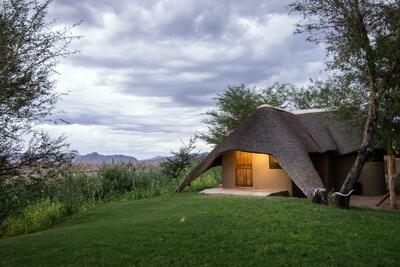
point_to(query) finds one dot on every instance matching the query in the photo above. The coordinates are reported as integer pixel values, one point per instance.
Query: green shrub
(35, 216)
(209, 179)
(116, 179)
(148, 181)
(152, 189)
(17, 193)
(12, 197)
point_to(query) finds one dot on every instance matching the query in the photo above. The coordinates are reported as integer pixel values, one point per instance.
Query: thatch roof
(289, 137)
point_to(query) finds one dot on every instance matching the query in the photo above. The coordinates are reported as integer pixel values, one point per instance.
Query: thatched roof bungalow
(295, 152)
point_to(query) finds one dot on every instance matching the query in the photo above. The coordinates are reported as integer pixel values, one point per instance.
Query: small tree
(235, 104)
(179, 161)
(232, 107)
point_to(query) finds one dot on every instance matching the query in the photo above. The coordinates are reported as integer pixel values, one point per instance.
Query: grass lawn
(229, 231)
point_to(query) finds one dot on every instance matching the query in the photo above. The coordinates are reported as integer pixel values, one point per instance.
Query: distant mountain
(96, 158)
(153, 160)
(159, 159)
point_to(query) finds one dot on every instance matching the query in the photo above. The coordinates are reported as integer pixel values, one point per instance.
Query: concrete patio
(371, 201)
(243, 192)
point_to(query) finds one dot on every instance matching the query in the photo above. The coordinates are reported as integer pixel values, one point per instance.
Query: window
(273, 163)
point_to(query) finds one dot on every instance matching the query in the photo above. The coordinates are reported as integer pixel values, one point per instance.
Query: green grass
(227, 231)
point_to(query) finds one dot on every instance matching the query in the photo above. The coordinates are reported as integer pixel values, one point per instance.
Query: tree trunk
(365, 149)
(370, 124)
(391, 164)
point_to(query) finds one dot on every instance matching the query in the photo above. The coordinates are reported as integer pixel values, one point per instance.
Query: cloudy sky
(148, 69)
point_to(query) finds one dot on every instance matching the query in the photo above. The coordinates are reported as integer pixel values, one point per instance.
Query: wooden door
(244, 172)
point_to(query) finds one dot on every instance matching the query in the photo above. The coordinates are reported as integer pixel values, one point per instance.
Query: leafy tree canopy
(235, 104)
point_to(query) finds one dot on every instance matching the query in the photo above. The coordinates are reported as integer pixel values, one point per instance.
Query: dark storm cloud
(222, 73)
(183, 52)
(197, 21)
(88, 11)
(119, 121)
(70, 11)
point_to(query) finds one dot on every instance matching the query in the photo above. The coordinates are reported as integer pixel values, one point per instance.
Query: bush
(11, 198)
(145, 185)
(29, 203)
(180, 161)
(209, 179)
(148, 181)
(17, 193)
(35, 216)
(116, 179)
(74, 190)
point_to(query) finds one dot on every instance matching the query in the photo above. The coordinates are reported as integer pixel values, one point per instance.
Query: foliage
(115, 180)
(350, 102)
(76, 188)
(351, 32)
(235, 104)
(29, 52)
(179, 161)
(35, 216)
(362, 40)
(17, 193)
(209, 179)
(149, 181)
(232, 107)
(194, 230)
(388, 48)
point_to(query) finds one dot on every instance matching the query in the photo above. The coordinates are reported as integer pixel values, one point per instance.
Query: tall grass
(35, 216)
(134, 182)
(37, 204)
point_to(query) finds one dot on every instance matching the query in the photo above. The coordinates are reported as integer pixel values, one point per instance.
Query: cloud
(152, 68)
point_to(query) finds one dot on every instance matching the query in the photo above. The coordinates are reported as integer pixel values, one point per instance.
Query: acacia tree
(29, 52)
(235, 104)
(350, 31)
(180, 160)
(350, 103)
